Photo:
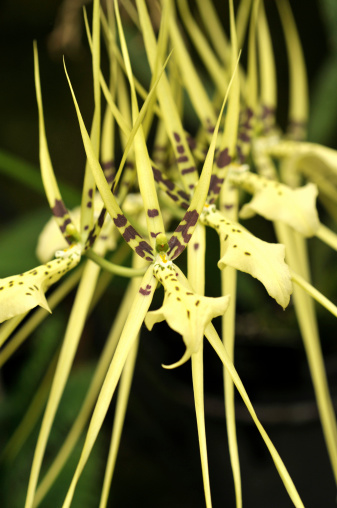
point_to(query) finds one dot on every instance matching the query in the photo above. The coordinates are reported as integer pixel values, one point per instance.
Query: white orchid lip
(76, 249)
(163, 261)
(208, 208)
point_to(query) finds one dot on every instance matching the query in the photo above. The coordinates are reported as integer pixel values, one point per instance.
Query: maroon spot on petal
(245, 138)
(175, 247)
(176, 137)
(228, 207)
(188, 170)
(142, 248)
(90, 191)
(190, 219)
(101, 217)
(89, 204)
(196, 246)
(152, 213)
(223, 158)
(184, 206)
(64, 225)
(191, 142)
(182, 158)
(108, 164)
(172, 196)
(91, 237)
(120, 221)
(215, 184)
(110, 176)
(180, 149)
(146, 291)
(183, 195)
(130, 234)
(59, 210)
(159, 178)
(154, 235)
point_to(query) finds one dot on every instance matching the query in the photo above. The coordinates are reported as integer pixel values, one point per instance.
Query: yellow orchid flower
(185, 311)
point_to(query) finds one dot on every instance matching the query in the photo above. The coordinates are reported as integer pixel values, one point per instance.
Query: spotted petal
(186, 312)
(247, 253)
(276, 201)
(21, 293)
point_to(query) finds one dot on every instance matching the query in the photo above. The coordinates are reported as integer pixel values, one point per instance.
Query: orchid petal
(247, 253)
(21, 293)
(185, 311)
(276, 201)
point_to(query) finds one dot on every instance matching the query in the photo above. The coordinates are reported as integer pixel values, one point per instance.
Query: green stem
(314, 293)
(327, 236)
(123, 271)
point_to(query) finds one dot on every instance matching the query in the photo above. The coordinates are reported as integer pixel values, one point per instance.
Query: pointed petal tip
(186, 356)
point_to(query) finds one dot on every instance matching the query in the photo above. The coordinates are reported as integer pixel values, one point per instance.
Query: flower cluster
(160, 201)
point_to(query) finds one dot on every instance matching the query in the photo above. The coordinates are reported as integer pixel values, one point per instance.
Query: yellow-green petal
(21, 293)
(185, 311)
(276, 201)
(247, 253)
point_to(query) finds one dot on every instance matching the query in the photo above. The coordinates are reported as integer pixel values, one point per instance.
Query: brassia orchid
(159, 202)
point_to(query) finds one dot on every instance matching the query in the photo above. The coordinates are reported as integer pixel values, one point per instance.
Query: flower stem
(123, 271)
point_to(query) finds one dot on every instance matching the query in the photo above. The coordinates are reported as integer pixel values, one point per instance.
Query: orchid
(152, 189)
(186, 312)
